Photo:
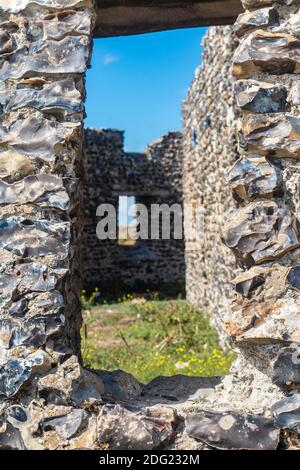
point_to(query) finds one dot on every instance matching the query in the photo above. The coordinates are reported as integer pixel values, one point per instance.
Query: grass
(148, 337)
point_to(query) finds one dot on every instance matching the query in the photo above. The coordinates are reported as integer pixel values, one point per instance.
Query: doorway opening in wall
(126, 221)
(136, 314)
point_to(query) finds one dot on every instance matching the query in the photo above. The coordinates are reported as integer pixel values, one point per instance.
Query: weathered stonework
(262, 323)
(45, 48)
(47, 399)
(209, 152)
(153, 177)
(264, 319)
(257, 177)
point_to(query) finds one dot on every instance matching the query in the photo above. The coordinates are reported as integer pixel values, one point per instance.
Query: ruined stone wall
(45, 49)
(47, 400)
(261, 227)
(153, 177)
(263, 232)
(209, 152)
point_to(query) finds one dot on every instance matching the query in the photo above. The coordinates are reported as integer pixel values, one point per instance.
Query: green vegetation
(148, 337)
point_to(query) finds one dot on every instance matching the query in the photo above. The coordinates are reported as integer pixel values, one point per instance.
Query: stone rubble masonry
(263, 232)
(253, 296)
(153, 177)
(45, 49)
(47, 399)
(209, 148)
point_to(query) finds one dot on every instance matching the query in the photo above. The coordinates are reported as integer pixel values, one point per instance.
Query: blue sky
(137, 83)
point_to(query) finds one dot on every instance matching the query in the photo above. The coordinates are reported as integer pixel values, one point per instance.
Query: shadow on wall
(153, 177)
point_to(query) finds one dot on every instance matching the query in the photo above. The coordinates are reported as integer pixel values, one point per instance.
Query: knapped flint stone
(286, 368)
(251, 178)
(251, 20)
(286, 413)
(66, 426)
(230, 430)
(70, 382)
(19, 308)
(58, 25)
(132, 429)
(269, 316)
(260, 97)
(261, 51)
(16, 372)
(120, 386)
(28, 238)
(41, 94)
(38, 137)
(261, 231)
(43, 189)
(68, 56)
(34, 331)
(16, 6)
(7, 43)
(34, 303)
(249, 281)
(180, 388)
(271, 135)
(273, 277)
(16, 413)
(50, 302)
(29, 277)
(11, 438)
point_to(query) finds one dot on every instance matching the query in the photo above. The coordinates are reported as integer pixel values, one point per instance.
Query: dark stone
(260, 97)
(29, 238)
(180, 388)
(19, 308)
(11, 438)
(286, 368)
(7, 44)
(230, 430)
(13, 375)
(33, 331)
(135, 429)
(287, 413)
(119, 385)
(245, 288)
(272, 134)
(23, 279)
(260, 231)
(17, 412)
(16, 372)
(67, 426)
(266, 52)
(258, 18)
(293, 277)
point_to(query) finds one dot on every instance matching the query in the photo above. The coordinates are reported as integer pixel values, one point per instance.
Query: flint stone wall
(209, 148)
(47, 400)
(263, 232)
(153, 177)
